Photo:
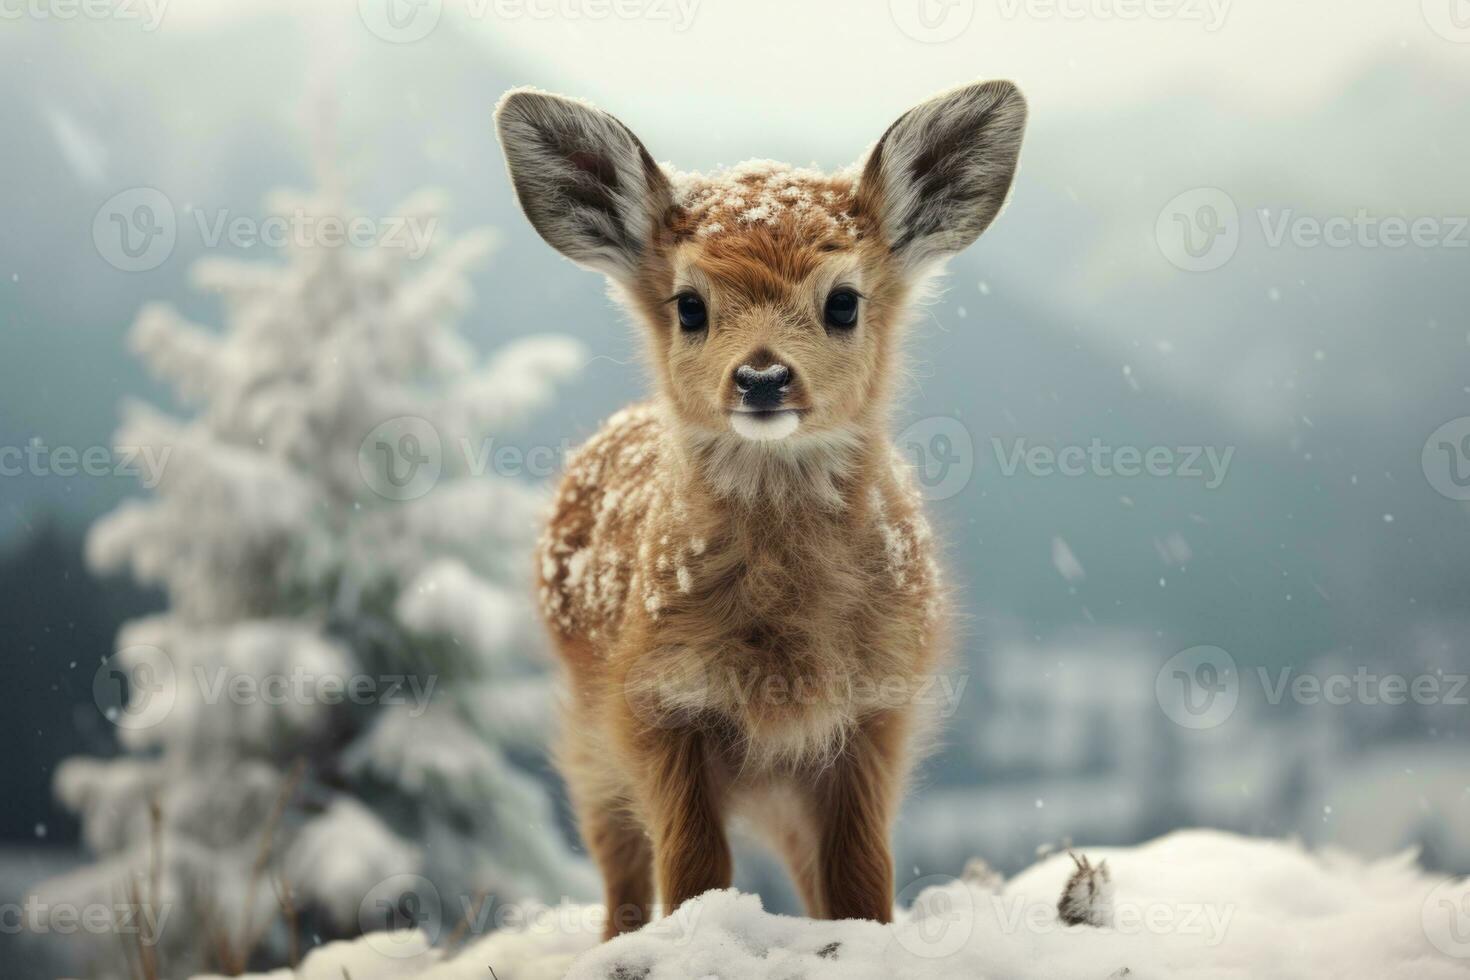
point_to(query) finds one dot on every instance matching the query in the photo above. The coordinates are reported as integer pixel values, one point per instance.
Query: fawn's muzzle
(762, 390)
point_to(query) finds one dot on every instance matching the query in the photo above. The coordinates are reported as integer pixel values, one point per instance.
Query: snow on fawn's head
(772, 295)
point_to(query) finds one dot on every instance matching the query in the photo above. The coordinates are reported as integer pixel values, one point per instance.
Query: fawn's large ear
(582, 178)
(939, 175)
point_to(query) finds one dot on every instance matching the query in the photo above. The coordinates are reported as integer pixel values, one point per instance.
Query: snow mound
(1194, 904)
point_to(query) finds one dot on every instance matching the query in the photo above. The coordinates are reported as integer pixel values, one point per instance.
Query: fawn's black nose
(763, 389)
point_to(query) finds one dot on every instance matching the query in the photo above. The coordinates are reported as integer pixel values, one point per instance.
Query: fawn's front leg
(855, 802)
(690, 852)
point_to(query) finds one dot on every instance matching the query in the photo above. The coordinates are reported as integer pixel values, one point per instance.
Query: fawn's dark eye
(842, 309)
(692, 314)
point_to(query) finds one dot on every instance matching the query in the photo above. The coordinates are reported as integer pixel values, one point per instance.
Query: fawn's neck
(806, 479)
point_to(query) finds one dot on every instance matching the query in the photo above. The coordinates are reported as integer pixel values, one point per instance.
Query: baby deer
(737, 574)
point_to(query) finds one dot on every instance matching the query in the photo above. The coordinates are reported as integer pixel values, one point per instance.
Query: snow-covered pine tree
(324, 520)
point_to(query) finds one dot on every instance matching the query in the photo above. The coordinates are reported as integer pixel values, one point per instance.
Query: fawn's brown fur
(747, 601)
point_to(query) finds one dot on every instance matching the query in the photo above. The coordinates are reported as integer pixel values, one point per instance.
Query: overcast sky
(818, 66)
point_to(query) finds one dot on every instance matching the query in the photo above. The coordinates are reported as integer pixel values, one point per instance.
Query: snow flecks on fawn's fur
(588, 563)
(599, 551)
(765, 192)
(908, 541)
(623, 532)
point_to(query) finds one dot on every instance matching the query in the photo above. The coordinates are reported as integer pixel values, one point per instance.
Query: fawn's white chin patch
(764, 426)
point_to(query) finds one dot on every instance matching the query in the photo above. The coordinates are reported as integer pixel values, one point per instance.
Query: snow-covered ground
(1194, 904)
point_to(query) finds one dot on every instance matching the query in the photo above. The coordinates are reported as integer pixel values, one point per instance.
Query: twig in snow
(1087, 898)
